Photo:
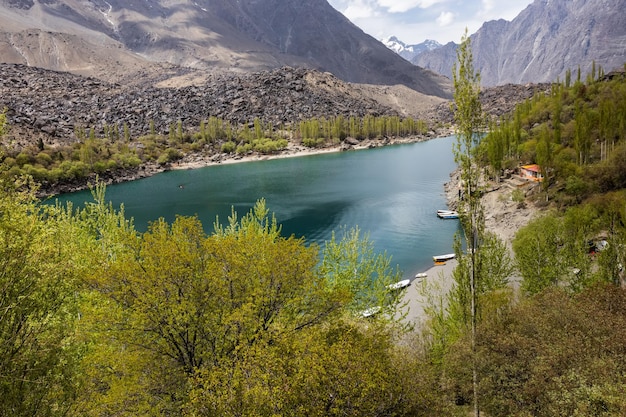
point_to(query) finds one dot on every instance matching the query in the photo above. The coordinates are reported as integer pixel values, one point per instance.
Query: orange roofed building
(531, 172)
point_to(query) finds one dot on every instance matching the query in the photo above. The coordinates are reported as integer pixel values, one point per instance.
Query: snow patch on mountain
(409, 52)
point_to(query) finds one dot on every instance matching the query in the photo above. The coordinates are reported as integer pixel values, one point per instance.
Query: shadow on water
(315, 223)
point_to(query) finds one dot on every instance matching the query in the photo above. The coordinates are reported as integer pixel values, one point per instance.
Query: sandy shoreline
(437, 276)
(293, 151)
(503, 216)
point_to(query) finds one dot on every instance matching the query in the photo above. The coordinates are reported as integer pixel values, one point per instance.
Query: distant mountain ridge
(102, 37)
(545, 40)
(409, 52)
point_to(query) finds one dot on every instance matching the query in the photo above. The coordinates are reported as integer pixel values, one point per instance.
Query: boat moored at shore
(399, 285)
(447, 214)
(443, 258)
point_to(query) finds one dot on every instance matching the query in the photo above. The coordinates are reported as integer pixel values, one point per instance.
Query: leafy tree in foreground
(240, 322)
(354, 272)
(38, 282)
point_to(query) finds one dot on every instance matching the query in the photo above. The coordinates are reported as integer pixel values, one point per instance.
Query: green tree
(545, 155)
(469, 121)
(4, 124)
(354, 272)
(38, 310)
(341, 369)
(191, 301)
(537, 255)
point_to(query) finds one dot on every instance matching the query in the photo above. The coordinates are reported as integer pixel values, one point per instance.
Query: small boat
(399, 285)
(372, 311)
(421, 275)
(443, 258)
(447, 214)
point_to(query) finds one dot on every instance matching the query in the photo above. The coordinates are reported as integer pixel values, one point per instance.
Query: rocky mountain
(53, 104)
(409, 52)
(544, 41)
(119, 39)
(49, 106)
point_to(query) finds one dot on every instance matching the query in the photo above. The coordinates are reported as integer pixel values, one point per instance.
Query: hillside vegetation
(577, 134)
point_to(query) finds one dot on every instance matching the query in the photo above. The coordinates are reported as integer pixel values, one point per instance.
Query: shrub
(243, 149)
(229, 147)
(43, 159)
(517, 196)
(313, 143)
(169, 155)
(23, 158)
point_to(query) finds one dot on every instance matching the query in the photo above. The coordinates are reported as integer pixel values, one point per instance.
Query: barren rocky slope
(117, 40)
(50, 105)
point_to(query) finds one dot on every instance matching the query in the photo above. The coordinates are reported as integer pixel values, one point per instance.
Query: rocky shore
(503, 215)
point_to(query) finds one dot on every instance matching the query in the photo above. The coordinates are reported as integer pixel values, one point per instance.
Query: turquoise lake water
(392, 193)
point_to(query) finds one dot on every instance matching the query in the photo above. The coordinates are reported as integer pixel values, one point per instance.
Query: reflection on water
(391, 193)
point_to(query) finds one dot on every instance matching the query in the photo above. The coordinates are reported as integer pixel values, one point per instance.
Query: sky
(414, 21)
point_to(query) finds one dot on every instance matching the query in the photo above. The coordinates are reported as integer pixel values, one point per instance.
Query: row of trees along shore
(98, 319)
(113, 148)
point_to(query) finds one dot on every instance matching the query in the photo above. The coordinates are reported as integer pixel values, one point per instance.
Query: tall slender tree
(470, 121)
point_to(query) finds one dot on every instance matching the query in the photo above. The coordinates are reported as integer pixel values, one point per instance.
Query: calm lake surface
(392, 193)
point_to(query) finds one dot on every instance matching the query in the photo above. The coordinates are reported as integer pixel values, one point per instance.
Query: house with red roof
(531, 172)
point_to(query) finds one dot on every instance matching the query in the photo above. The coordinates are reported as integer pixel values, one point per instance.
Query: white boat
(372, 311)
(444, 258)
(399, 285)
(447, 214)
(421, 275)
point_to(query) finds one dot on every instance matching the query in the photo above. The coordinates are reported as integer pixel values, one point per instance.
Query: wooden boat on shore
(447, 214)
(443, 258)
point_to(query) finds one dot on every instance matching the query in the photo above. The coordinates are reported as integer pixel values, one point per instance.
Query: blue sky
(413, 21)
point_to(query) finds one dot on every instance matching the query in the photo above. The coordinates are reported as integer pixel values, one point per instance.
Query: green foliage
(553, 355)
(3, 122)
(229, 147)
(355, 273)
(369, 127)
(39, 273)
(554, 250)
(517, 195)
(104, 149)
(341, 369)
(571, 131)
(169, 155)
(180, 321)
(537, 252)
(314, 143)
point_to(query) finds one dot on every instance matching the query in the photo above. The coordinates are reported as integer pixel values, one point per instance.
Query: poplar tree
(469, 120)
(3, 122)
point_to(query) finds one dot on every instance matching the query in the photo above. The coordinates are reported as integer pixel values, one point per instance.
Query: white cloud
(413, 21)
(488, 5)
(358, 9)
(401, 6)
(445, 18)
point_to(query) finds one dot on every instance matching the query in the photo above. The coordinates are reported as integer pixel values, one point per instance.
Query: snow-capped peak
(409, 52)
